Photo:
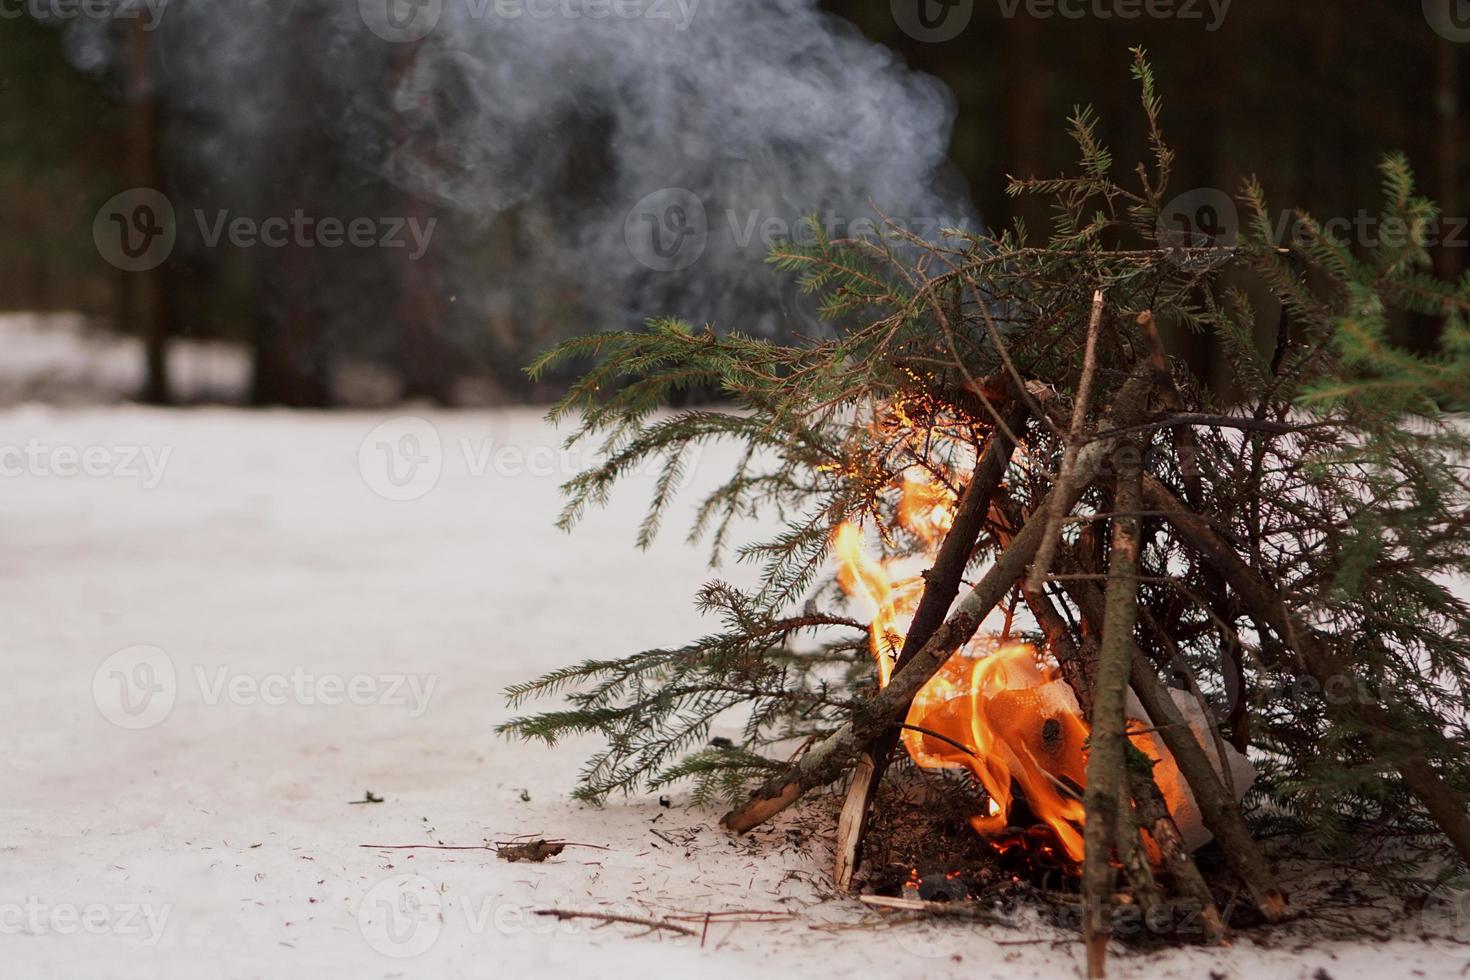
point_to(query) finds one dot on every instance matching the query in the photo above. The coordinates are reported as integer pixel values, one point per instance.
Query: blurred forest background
(1307, 95)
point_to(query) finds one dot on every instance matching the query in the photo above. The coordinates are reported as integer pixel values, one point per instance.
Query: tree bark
(1107, 780)
(1153, 811)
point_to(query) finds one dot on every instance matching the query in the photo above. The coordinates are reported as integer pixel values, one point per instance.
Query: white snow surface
(218, 841)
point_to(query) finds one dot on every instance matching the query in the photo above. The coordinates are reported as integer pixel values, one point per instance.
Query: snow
(303, 639)
(61, 357)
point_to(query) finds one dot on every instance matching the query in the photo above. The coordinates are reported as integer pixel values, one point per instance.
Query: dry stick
(1037, 576)
(1132, 856)
(1218, 809)
(1107, 775)
(1152, 811)
(1081, 677)
(941, 585)
(957, 910)
(1079, 671)
(609, 917)
(1324, 665)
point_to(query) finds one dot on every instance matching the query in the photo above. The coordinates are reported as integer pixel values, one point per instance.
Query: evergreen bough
(1333, 468)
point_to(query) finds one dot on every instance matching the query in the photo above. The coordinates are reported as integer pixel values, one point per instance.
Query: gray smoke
(616, 158)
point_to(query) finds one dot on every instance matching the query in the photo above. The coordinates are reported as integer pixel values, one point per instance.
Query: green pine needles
(1328, 460)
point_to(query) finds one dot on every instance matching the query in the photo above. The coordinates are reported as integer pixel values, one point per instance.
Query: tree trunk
(142, 292)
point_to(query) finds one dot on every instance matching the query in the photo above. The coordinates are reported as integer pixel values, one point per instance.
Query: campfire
(999, 707)
(1053, 545)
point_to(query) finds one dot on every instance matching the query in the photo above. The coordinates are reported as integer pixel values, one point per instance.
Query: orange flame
(994, 708)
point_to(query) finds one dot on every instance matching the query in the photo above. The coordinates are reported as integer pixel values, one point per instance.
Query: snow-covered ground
(219, 628)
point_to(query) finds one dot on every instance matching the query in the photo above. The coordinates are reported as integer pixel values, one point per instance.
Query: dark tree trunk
(292, 357)
(291, 367)
(142, 299)
(424, 358)
(1447, 260)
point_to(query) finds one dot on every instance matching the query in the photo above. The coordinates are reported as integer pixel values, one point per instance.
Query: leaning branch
(1036, 578)
(1107, 780)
